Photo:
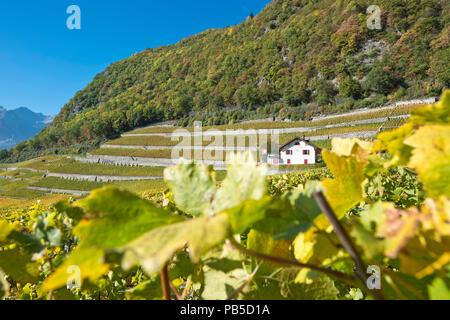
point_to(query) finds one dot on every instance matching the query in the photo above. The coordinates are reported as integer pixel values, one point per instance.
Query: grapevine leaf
(438, 113)
(220, 285)
(394, 142)
(439, 290)
(193, 187)
(374, 218)
(65, 206)
(346, 189)
(155, 248)
(150, 289)
(4, 286)
(431, 158)
(245, 180)
(371, 246)
(113, 218)
(397, 285)
(17, 263)
(348, 147)
(400, 226)
(321, 288)
(266, 244)
(315, 247)
(89, 260)
(249, 212)
(63, 294)
(305, 211)
(5, 229)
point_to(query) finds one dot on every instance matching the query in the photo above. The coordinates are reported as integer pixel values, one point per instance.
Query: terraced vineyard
(137, 159)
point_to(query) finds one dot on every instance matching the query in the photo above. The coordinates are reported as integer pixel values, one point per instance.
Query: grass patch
(134, 186)
(17, 189)
(107, 170)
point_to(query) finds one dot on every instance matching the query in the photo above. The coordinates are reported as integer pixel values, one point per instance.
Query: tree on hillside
(380, 81)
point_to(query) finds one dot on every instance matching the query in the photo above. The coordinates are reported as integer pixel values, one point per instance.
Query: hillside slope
(294, 59)
(20, 124)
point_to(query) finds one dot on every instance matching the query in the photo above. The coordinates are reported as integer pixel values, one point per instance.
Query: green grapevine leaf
(113, 218)
(148, 290)
(371, 246)
(219, 285)
(17, 263)
(245, 180)
(155, 248)
(193, 187)
(439, 290)
(4, 286)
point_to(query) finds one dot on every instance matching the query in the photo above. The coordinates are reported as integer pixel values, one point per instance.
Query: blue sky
(43, 63)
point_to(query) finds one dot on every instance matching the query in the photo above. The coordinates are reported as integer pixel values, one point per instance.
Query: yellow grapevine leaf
(438, 113)
(315, 247)
(5, 230)
(265, 243)
(347, 147)
(346, 190)
(438, 216)
(431, 158)
(437, 265)
(399, 227)
(89, 261)
(393, 142)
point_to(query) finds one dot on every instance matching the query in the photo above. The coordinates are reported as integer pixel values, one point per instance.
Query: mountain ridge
(20, 124)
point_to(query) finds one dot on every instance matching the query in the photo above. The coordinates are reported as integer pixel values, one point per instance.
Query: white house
(295, 151)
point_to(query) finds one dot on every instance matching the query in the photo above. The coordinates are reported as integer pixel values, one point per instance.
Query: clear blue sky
(43, 64)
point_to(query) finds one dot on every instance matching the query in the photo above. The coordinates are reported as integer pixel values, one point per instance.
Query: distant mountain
(19, 125)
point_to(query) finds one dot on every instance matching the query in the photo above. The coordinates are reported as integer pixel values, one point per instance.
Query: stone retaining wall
(63, 191)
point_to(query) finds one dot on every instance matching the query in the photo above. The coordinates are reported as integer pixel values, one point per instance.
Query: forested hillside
(294, 59)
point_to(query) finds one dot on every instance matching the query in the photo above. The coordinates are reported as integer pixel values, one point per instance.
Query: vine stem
(339, 275)
(186, 289)
(174, 290)
(50, 294)
(346, 241)
(165, 282)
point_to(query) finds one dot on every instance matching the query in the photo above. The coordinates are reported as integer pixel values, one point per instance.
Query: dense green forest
(295, 59)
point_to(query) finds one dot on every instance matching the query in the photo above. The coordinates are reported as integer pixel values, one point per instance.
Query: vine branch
(346, 241)
(174, 290)
(165, 282)
(339, 275)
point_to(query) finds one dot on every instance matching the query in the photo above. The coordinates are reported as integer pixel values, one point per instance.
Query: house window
(306, 152)
(289, 152)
